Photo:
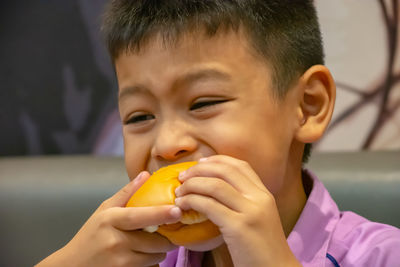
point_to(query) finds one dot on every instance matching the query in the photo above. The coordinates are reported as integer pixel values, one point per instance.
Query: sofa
(44, 200)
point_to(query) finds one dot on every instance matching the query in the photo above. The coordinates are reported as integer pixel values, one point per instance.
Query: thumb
(120, 198)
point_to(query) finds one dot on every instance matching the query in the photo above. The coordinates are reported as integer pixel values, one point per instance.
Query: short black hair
(285, 33)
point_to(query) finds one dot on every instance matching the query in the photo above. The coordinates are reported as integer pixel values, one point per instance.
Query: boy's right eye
(140, 118)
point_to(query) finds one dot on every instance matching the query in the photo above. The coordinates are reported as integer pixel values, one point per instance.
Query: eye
(206, 103)
(140, 118)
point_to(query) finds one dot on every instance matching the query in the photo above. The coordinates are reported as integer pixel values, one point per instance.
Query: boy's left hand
(233, 197)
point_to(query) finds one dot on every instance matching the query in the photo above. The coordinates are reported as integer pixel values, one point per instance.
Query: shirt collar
(310, 237)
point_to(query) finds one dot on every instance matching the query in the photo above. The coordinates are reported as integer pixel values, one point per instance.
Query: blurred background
(58, 96)
(58, 93)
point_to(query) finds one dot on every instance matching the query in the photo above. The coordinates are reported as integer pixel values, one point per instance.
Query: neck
(290, 207)
(292, 198)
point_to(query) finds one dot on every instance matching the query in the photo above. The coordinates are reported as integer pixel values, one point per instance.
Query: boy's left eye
(203, 104)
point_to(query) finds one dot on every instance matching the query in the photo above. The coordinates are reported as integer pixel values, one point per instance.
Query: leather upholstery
(45, 200)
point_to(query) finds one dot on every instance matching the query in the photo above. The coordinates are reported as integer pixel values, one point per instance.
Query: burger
(193, 228)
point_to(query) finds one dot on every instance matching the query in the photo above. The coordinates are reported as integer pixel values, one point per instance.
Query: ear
(317, 100)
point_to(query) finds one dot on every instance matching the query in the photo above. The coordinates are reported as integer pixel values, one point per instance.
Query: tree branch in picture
(391, 27)
(381, 91)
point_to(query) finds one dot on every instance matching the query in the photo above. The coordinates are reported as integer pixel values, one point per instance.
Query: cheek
(135, 153)
(265, 149)
(271, 161)
(271, 171)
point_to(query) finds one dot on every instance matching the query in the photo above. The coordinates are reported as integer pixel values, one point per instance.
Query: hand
(112, 235)
(233, 197)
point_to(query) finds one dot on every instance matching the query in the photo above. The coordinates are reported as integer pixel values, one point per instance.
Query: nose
(173, 141)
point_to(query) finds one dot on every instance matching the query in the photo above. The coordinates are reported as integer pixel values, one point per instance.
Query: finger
(139, 217)
(120, 198)
(240, 165)
(226, 172)
(148, 242)
(215, 211)
(215, 188)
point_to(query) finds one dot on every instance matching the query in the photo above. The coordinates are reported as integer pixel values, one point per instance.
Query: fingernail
(138, 177)
(175, 212)
(182, 176)
(203, 159)
(177, 200)
(177, 191)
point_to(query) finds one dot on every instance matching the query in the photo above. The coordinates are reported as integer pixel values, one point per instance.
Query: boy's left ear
(317, 100)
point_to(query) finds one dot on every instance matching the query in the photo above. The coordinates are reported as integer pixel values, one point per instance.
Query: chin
(206, 245)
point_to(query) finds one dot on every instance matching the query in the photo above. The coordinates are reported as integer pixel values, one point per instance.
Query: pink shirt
(324, 236)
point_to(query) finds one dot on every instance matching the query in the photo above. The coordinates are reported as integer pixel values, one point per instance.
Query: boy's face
(202, 97)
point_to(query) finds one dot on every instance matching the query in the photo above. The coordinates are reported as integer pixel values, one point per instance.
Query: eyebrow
(189, 78)
(132, 90)
(203, 74)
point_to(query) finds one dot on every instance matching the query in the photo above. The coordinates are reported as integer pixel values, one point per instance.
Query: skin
(209, 99)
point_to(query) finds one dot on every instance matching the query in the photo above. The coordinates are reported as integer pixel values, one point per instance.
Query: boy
(239, 86)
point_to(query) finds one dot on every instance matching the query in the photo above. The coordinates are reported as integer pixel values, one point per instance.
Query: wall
(58, 91)
(362, 50)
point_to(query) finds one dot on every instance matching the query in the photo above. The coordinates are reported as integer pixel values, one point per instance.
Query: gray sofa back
(45, 200)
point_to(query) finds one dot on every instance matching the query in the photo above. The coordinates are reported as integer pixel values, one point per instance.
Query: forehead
(159, 61)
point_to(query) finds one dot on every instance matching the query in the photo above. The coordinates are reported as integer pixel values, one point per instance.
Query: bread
(159, 189)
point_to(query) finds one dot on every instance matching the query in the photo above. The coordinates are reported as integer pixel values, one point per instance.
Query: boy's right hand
(112, 236)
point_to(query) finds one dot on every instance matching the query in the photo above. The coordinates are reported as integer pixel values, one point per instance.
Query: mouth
(154, 165)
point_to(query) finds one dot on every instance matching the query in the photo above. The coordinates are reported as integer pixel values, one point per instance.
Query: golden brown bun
(159, 189)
